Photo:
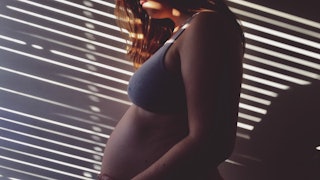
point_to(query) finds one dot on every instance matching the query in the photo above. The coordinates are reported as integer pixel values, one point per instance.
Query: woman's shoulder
(210, 34)
(208, 25)
(212, 26)
(212, 19)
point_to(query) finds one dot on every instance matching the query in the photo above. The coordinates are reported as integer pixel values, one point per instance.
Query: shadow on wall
(287, 138)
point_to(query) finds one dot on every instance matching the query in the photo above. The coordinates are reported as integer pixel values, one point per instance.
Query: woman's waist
(141, 118)
(148, 127)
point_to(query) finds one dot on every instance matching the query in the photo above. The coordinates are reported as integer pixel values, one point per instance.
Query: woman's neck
(180, 20)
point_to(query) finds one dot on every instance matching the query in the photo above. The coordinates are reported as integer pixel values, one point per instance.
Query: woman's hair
(145, 35)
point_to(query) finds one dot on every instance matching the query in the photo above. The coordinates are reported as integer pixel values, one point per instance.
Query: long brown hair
(145, 35)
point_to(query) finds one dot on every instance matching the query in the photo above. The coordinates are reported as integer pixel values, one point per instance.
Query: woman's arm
(201, 56)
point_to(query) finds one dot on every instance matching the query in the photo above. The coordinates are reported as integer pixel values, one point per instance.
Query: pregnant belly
(139, 139)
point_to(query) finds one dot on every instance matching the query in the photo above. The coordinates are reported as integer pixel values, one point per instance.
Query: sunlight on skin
(153, 5)
(175, 12)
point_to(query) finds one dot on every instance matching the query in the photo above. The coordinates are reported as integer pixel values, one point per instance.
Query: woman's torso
(141, 137)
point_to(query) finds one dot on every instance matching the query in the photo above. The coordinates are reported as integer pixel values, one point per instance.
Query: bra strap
(183, 27)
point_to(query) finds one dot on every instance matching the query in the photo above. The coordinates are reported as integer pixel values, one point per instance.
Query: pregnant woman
(185, 91)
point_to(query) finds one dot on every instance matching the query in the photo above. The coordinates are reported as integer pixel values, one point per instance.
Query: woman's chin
(151, 5)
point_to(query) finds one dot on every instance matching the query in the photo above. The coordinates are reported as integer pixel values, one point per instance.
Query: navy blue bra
(154, 88)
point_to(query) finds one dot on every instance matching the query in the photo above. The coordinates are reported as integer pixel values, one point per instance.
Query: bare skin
(147, 145)
(141, 138)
